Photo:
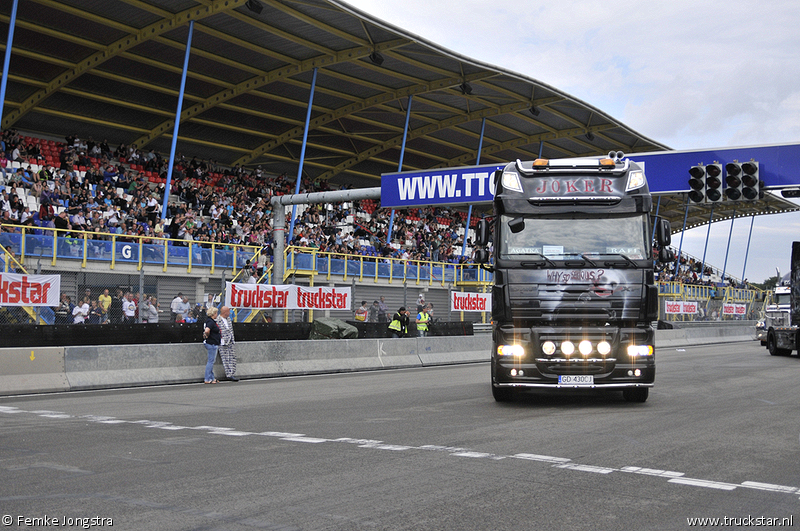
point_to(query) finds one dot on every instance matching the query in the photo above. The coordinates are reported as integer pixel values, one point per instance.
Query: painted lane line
(704, 483)
(587, 468)
(304, 439)
(651, 472)
(556, 462)
(543, 458)
(769, 487)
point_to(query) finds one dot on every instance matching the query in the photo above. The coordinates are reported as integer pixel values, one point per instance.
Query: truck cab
(574, 296)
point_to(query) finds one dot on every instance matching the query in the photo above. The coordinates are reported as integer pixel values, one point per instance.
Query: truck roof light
(608, 162)
(541, 162)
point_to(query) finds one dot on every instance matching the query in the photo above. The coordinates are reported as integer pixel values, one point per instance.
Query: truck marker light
(510, 350)
(513, 372)
(567, 348)
(637, 372)
(635, 180)
(585, 348)
(640, 350)
(541, 162)
(511, 182)
(607, 162)
(549, 348)
(604, 347)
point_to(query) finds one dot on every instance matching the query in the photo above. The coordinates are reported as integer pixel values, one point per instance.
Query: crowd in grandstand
(84, 185)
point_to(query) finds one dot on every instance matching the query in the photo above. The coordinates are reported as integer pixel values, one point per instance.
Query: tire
(636, 394)
(772, 346)
(503, 394)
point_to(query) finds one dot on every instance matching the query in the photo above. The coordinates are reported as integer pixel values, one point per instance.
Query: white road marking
(704, 483)
(555, 462)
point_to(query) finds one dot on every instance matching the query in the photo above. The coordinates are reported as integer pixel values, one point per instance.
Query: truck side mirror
(481, 256)
(665, 255)
(663, 233)
(482, 233)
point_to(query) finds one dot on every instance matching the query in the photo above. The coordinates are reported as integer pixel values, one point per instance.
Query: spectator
(129, 308)
(362, 312)
(382, 310)
(174, 307)
(372, 315)
(80, 313)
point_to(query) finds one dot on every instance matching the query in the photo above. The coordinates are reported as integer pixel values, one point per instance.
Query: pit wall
(54, 369)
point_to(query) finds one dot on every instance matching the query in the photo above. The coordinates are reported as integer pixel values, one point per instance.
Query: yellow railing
(316, 262)
(85, 246)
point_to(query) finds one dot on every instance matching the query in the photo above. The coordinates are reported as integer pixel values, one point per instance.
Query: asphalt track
(419, 449)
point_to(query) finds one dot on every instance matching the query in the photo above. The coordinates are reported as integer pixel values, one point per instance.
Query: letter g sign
(127, 251)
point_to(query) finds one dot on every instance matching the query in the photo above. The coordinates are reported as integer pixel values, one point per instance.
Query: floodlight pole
(171, 164)
(727, 249)
(705, 247)
(11, 23)
(303, 150)
(400, 165)
(469, 213)
(747, 251)
(680, 246)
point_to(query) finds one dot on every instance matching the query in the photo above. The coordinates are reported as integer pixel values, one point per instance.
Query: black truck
(574, 296)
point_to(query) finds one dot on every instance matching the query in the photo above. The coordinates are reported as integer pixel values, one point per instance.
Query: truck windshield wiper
(631, 262)
(588, 260)
(543, 257)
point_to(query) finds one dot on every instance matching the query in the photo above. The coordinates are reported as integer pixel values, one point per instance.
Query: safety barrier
(51, 369)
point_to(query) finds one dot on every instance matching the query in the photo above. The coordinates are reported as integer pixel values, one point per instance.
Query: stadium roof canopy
(112, 69)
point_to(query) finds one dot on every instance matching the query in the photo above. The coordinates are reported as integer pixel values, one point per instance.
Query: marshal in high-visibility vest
(423, 318)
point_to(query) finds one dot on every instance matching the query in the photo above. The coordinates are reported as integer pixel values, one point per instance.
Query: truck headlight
(511, 181)
(585, 347)
(549, 348)
(635, 351)
(604, 347)
(567, 348)
(635, 180)
(510, 350)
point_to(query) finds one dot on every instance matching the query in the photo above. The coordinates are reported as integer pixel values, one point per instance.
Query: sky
(690, 75)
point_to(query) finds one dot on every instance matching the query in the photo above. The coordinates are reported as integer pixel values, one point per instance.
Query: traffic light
(697, 183)
(751, 189)
(714, 183)
(733, 176)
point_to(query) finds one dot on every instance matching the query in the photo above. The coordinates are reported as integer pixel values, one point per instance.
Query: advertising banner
(680, 307)
(470, 302)
(286, 297)
(734, 309)
(450, 186)
(29, 290)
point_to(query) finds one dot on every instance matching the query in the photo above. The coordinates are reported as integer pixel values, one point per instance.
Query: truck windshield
(563, 237)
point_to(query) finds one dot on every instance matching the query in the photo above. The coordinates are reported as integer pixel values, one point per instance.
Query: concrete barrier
(50, 369)
(33, 370)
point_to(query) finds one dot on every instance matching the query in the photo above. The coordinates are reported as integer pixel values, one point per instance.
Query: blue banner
(668, 171)
(444, 186)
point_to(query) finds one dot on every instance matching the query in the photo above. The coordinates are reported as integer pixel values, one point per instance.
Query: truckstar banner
(734, 309)
(286, 297)
(678, 307)
(29, 290)
(470, 302)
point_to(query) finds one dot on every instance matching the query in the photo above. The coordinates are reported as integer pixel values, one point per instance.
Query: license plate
(576, 379)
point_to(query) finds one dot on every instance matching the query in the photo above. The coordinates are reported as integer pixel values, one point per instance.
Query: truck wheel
(502, 394)
(772, 346)
(637, 394)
